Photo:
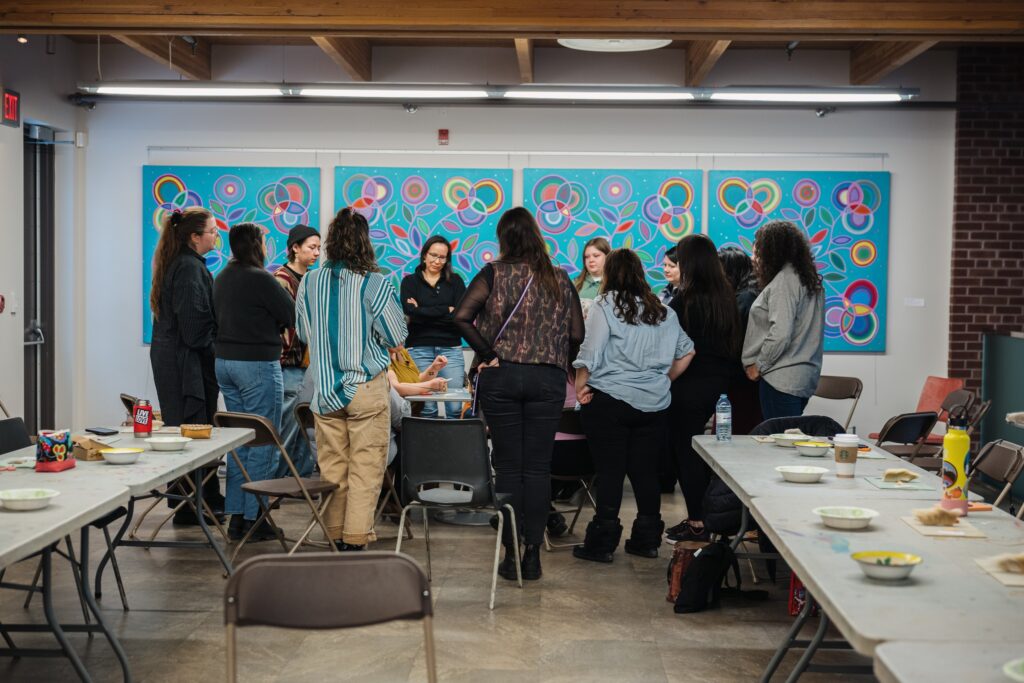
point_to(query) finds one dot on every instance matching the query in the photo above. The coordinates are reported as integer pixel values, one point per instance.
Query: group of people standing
(646, 368)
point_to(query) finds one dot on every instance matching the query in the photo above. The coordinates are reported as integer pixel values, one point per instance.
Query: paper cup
(846, 446)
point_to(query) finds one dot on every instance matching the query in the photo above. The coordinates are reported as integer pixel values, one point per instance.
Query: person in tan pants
(349, 315)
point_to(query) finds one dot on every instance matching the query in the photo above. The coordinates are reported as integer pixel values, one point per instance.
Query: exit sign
(11, 108)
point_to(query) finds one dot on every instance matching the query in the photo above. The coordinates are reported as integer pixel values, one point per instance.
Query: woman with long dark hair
(634, 347)
(522, 316)
(743, 394)
(349, 315)
(429, 296)
(786, 333)
(252, 311)
(706, 308)
(184, 325)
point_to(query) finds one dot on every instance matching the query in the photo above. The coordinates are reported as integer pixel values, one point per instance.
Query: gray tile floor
(581, 622)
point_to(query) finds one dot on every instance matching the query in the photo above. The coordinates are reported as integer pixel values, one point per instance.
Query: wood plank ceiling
(881, 35)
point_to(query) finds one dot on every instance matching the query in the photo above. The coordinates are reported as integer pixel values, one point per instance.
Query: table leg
(51, 617)
(113, 546)
(91, 601)
(744, 527)
(788, 641)
(198, 499)
(812, 647)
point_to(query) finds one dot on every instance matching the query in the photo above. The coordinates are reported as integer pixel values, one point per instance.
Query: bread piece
(196, 431)
(937, 516)
(899, 474)
(1014, 564)
(794, 430)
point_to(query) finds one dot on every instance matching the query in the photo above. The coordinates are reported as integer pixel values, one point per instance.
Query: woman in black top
(252, 310)
(706, 308)
(429, 296)
(743, 393)
(181, 350)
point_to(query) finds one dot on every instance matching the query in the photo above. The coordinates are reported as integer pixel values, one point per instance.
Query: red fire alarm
(442, 136)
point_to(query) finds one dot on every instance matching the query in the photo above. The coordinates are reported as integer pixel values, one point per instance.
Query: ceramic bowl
(885, 564)
(845, 516)
(801, 474)
(120, 456)
(27, 499)
(788, 440)
(168, 443)
(812, 449)
(1014, 670)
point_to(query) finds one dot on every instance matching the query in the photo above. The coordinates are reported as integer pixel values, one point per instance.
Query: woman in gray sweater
(785, 332)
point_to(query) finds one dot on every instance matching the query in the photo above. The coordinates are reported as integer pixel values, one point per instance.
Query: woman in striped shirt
(349, 315)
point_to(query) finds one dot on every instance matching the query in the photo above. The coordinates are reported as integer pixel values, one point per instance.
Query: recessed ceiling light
(613, 44)
(22, 38)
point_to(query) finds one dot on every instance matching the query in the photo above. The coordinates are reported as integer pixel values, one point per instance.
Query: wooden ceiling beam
(524, 55)
(924, 19)
(701, 56)
(354, 55)
(871, 62)
(191, 61)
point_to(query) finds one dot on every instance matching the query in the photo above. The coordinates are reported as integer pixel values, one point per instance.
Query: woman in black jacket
(429, 297)
(181, 350)
(706, 308)
(252, 310)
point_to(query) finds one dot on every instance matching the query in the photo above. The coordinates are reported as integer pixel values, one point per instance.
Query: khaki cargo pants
(352, 449)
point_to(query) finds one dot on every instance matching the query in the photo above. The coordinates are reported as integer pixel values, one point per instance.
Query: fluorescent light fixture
(395, 93)
(597, 94)
(613, 44)
(811, 95)
(152, 90)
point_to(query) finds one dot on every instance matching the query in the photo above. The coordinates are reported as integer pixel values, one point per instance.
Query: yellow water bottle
(956, 458)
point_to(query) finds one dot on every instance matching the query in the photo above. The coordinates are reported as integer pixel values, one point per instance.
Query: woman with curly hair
(349, 315)
(633, 350)
(785, 333)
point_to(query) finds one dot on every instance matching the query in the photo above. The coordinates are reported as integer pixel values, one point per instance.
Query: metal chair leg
(426, 537)
(497, 559)
(117, 570)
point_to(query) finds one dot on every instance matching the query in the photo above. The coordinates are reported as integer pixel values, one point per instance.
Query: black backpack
(701, 586)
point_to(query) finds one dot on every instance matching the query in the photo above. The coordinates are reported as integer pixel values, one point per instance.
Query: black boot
(507, 568)
(236, 528)
(601, 541)
(531, 563)
(645, 538)
(556, 525)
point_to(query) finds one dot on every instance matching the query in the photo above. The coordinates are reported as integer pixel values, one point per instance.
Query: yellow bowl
(886, 564)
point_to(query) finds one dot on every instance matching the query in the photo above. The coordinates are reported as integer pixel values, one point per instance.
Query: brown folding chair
(327, 591)
(390, 502)
(835, 388)
(293, 487)
(1002, 461)
(906, 433)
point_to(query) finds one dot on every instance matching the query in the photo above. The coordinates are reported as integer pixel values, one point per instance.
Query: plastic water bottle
(723, 419)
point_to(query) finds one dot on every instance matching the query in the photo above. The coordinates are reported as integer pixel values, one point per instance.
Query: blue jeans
(775, 403)
(250, 387)
(454, 372)
(294, 442)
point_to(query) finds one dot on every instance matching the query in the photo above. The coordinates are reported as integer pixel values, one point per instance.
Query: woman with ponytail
(184, 326)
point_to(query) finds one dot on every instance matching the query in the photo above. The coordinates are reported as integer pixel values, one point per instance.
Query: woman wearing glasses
(429, 296)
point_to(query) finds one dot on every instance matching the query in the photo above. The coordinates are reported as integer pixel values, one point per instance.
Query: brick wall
(987, 278)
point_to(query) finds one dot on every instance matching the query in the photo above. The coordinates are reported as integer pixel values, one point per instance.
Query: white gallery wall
(915, 146)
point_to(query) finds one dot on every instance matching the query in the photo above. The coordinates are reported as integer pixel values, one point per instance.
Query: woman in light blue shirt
(634, 348)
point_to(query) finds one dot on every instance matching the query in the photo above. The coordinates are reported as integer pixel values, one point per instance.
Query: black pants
(624, 442)
(522, 405)
(693, 404)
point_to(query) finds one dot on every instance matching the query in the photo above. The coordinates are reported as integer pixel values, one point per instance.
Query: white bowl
(886, 565)
(120, 456)
(27, 499)
(1014, 670)
(845, 516)
(788, 440)
(168, 443)
(801, 474)
(812, 449)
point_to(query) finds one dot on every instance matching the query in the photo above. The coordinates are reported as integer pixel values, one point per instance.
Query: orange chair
(933, 394)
